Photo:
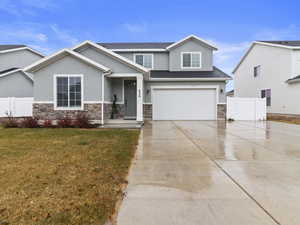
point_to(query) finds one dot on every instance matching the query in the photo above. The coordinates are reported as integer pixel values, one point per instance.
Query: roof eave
(37, 65)
(115, 55)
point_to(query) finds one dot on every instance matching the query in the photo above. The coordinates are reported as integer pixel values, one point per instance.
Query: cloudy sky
(49, 25)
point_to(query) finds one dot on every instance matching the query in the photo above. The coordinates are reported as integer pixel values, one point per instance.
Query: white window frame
(143, 54)
(191, 67)
(55, 92)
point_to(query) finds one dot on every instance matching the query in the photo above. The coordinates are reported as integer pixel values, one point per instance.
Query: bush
(30, 122)
(11, 122)
(65, 122)
(48, 124)
(82, 121)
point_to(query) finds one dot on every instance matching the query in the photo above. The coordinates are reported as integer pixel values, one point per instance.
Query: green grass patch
(62, 176)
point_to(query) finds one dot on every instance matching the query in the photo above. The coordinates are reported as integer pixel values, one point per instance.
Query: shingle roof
(215, 73)
(8, 70)
(8, 47)
(136, 45)
(285, 43)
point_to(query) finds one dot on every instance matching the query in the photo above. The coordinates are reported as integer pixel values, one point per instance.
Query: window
(256, 71)
(68, 91)
(191, 60)
(145, 60)
(266, 94)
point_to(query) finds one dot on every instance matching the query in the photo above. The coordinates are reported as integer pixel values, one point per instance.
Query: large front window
(69, 91)
(145, 60)
(191, 60)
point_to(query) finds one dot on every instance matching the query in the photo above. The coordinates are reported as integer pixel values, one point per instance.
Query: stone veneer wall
(281, 116)
(108, 108)
(147, 110)
(221, 111)
(46, 111)
(93, 111)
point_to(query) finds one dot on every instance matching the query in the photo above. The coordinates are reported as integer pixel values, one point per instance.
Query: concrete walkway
(213, 173)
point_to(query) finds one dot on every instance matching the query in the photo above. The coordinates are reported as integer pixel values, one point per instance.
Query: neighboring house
(160, 81)
(230, 93)
(13, 81)
(271, 70)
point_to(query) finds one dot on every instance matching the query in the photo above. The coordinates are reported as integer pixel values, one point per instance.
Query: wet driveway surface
(213, 173)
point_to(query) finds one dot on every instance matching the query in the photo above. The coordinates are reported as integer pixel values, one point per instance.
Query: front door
(130, 99)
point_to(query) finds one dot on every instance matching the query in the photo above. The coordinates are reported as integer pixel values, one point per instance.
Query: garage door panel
(184, 104)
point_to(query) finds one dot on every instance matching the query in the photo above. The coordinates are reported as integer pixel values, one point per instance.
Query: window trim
(152, 59)
(55, 91)
(191, 67)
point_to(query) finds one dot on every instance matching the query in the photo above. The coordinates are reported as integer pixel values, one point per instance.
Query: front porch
(122, 99)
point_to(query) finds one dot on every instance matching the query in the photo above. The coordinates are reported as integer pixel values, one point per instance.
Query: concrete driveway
(213, 173)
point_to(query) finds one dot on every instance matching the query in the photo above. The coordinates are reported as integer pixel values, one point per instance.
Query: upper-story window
(68, 94)
(191, 60)
(256, 71)
(145, 60)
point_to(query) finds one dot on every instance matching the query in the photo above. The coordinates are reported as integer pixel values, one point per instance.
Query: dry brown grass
(62, 176)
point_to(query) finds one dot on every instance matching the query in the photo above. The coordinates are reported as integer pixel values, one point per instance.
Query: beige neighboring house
(271, 69)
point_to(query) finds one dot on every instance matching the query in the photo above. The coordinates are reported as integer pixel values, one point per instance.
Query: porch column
(139, 101)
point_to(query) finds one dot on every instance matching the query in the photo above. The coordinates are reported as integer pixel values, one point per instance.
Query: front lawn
(62, 176)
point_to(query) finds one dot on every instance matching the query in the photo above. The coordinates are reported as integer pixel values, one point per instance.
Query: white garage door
(184, 104)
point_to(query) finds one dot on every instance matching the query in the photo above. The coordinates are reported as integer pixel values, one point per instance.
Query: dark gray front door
(130, 99)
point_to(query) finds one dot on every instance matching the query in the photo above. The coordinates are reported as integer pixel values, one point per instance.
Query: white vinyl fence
(246, 108)
(17, 107)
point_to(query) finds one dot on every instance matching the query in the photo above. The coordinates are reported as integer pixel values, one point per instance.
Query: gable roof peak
(192, 36)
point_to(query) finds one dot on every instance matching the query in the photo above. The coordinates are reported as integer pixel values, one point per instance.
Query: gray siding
(115, 65)
(148, 85)
(17, 59)
(44, 79)
(16, 85)
(160, 59)
(191, 46)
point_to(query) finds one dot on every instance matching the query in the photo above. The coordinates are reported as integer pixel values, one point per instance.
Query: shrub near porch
(62, 176)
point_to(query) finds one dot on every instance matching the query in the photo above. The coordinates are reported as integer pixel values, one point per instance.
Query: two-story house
(13, 81)
(271, 70)
(159, 81)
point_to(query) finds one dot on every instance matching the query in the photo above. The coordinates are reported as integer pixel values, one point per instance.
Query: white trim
(140, 50)
(147, 103)
(191, 67)
(55, 91)
(35, 65)
(189, 79)
(84, 102)
(276, 45)
(216, 87)
(192, 37)
(144, 54)
(124, 75)
(22, 48)
(43, 102)
(115, 55)
(15, 71)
